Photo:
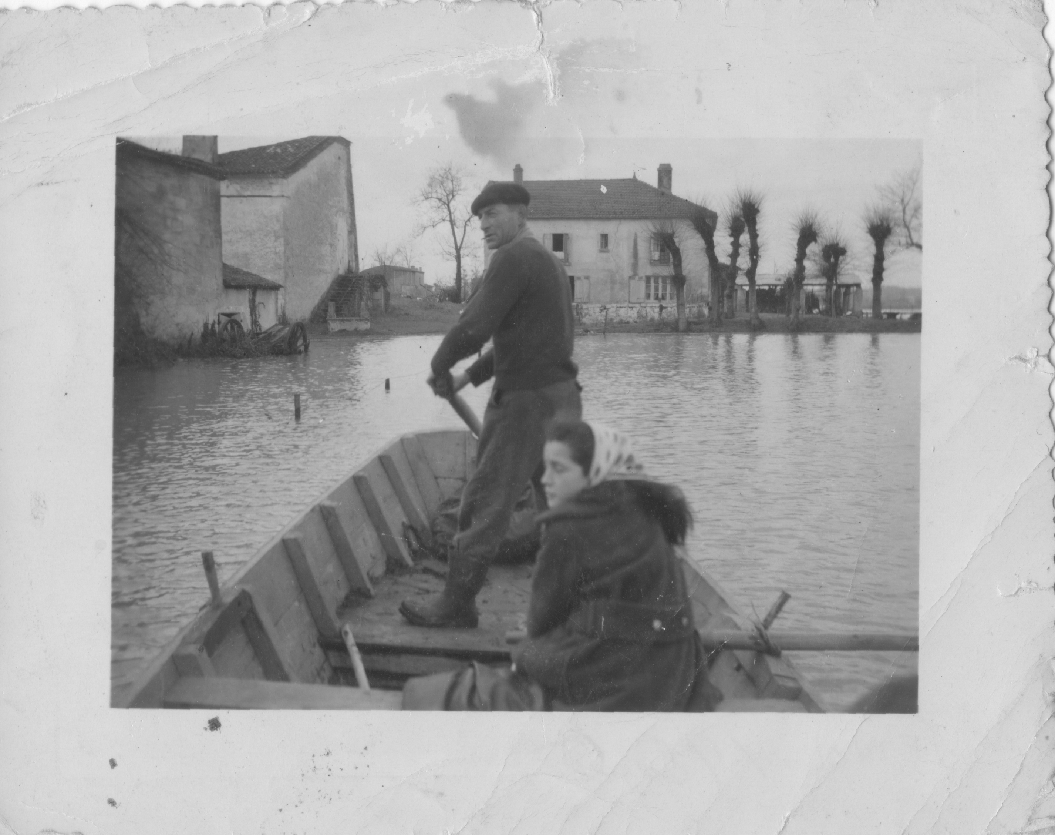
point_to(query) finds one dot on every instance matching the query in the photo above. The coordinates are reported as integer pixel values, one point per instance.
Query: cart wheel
(232, 331)
(297, 341)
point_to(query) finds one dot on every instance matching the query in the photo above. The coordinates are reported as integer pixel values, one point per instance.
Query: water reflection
(799, 454)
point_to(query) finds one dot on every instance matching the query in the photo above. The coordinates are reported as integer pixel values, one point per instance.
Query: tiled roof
(239, 279)
(620, 199)
(126, 147)
(278, 160)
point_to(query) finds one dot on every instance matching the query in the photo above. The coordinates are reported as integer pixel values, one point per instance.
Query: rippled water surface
(799, 455)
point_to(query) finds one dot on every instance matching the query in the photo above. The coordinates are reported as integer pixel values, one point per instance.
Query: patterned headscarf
(613, 457)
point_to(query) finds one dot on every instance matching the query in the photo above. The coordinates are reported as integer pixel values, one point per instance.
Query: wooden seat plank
(240, 694)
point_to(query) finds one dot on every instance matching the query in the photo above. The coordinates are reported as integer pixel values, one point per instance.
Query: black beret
(509, 193)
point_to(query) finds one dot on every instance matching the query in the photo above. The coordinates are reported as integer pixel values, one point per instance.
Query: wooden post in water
(296, 407)
(387, 386)
(210, 575)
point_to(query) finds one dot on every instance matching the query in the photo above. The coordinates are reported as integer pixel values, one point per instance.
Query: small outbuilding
(289, 217)
(402, 282)
(250, 298)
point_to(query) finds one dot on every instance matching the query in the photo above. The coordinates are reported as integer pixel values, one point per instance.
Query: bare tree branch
(903, 195)
(442, 202)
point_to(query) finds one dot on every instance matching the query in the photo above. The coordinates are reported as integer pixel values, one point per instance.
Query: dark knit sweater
(523, 303)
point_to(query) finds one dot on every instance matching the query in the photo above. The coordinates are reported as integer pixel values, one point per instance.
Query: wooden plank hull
(273, 641)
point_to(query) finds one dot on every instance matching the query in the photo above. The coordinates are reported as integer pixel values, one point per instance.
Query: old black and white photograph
(527, 417)
(289, 381)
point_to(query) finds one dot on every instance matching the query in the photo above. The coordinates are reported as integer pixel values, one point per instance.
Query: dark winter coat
(609, 622)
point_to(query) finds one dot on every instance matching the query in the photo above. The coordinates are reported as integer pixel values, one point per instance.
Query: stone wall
(298, 231)
(168, 246)
(252, 227)
(319, 229)
(594, 314)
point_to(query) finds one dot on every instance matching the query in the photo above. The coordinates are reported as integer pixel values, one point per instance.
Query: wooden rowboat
(272, 638)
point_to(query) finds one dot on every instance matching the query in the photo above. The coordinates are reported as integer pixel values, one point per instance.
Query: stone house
(168, 266)
(603, 231)
(289, 217)
(402, 282)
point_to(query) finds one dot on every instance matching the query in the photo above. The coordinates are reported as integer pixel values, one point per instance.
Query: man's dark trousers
(509, 452)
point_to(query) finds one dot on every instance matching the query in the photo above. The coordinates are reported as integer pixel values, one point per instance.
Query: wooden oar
(812, 641)
(466, 413)
(793, 641)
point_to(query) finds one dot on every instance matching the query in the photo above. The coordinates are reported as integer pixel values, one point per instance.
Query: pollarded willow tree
(832, 253)
(880, 223)
(668, 234)
(807, 231)
(705, 228)
(736, 228)
(749, 207)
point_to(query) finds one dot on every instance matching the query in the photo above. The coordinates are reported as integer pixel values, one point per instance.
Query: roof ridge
(276, 158)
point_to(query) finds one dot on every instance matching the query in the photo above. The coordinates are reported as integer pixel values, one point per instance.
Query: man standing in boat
(524, 305)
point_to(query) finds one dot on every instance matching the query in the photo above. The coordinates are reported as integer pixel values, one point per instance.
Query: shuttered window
(559, 243)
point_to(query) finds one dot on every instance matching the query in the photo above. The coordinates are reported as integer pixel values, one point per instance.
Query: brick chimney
(518, 174)
(200, 147)
(664, 175)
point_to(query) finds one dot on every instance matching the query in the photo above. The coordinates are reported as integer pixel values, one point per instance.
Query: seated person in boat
(523, 304)
(609, 624)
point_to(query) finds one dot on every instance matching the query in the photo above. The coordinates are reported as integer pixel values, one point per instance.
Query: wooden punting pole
(357, 659)
(466, 413)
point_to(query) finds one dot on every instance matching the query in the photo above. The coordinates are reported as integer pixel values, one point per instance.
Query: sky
(837, 178)
(591, 109)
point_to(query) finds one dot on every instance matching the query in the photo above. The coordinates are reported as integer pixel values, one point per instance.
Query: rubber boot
(455, 606)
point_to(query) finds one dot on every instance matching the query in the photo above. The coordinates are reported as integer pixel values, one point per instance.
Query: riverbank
(412, 316)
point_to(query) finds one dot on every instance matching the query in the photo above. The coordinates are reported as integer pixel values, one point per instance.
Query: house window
(603, 245)
(560, 245)
(571, 281)
(659, 253)
(657, 288)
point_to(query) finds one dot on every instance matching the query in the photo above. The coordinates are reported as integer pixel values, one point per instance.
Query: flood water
(798, 453)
